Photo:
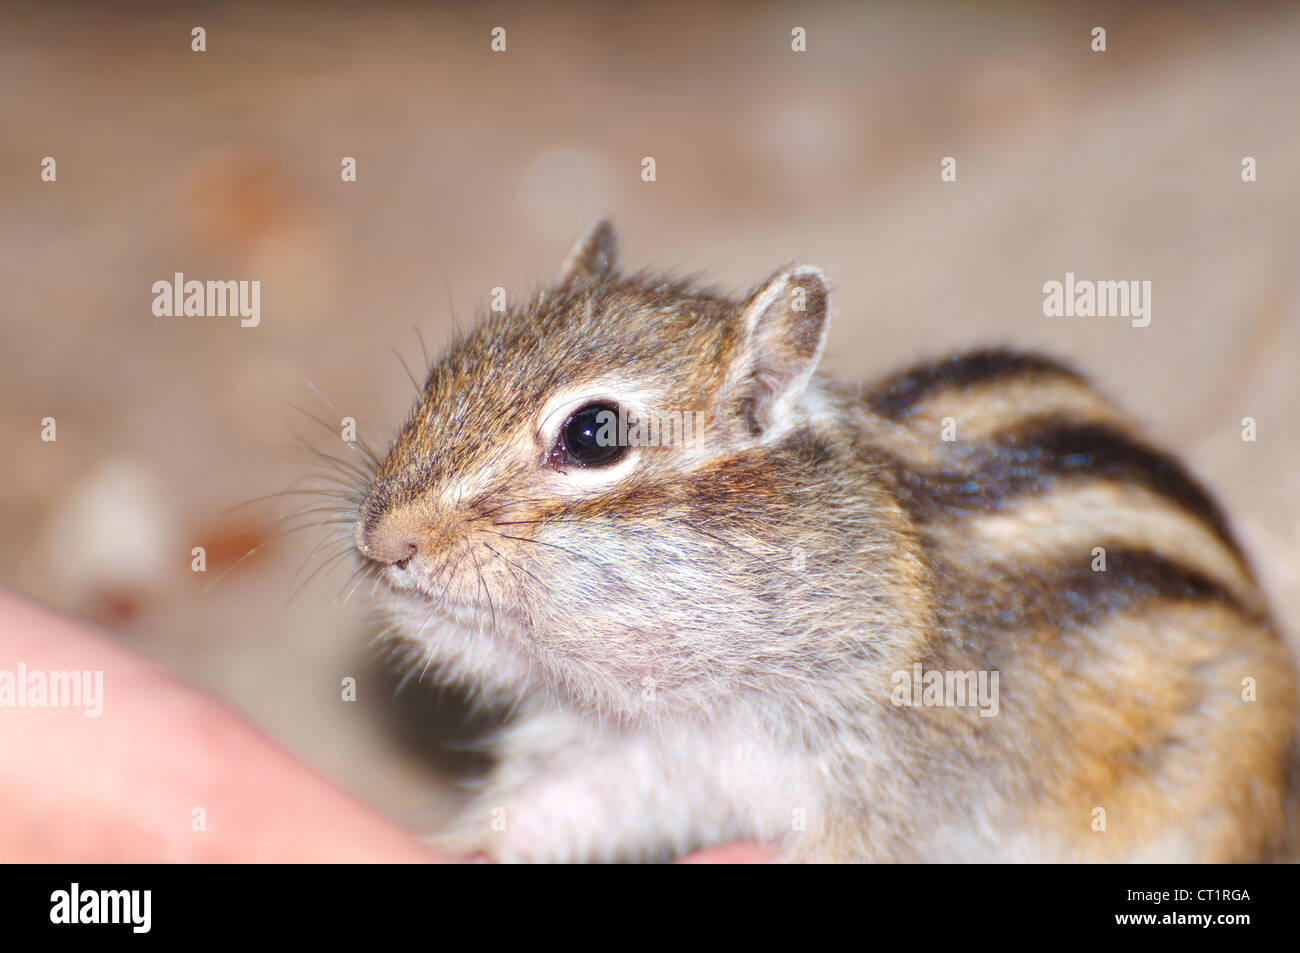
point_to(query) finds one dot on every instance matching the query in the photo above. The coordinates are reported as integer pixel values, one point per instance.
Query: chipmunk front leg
(563, 790)
(603, 795)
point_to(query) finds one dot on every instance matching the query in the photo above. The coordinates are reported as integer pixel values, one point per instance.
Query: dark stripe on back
(897, 396)
(1043, 452)
(1067, 594)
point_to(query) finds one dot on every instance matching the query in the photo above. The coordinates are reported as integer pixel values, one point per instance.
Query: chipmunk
(787, 628)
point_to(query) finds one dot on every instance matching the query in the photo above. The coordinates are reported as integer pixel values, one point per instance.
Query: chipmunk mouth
(399, 576)
(460, 601)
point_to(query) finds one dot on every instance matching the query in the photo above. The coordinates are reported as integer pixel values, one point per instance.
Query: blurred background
(477, 169)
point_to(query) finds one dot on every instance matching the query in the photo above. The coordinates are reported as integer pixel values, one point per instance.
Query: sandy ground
(478, 169)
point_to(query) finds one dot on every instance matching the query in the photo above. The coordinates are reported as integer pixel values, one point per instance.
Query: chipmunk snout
(390, 539)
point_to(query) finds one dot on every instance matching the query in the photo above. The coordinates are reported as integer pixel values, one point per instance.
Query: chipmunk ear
(783, 330)
(594, 255)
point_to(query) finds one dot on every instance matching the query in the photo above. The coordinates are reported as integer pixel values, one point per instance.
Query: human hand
(124, 786)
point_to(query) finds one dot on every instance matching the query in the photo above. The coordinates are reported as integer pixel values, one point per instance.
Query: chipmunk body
(966, 614)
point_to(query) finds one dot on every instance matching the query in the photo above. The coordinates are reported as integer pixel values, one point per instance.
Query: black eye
(591, 438)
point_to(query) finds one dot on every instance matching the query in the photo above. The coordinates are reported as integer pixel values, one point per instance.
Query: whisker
(316, 572)
(402, 361)
(451, 304)
(613, 575)
(340, 466)
(424, 351)
(360, 442)
(357, 446)
(343, 543)
(510, 562)
(367, 568)
(478, 571)
(288, 491)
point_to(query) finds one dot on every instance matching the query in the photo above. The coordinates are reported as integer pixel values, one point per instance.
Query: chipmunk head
(583, 483)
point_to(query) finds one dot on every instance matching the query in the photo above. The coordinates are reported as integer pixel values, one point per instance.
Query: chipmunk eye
(590, 438)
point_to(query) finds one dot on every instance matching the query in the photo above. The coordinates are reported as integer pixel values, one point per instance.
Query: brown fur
(702, 643)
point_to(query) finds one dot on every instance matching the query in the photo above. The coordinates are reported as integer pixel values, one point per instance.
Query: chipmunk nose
(389, 539)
